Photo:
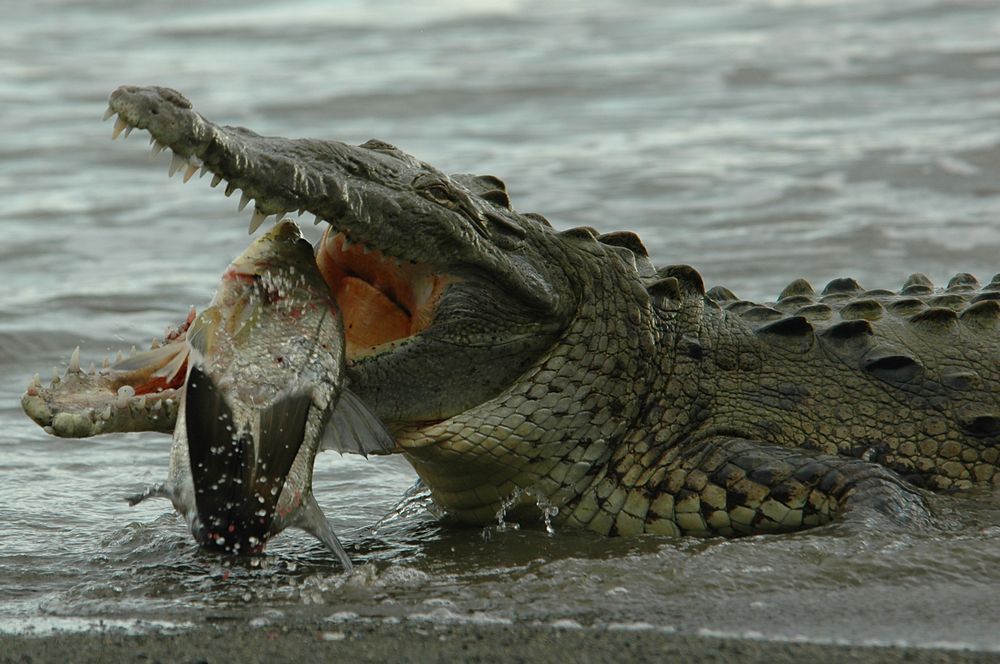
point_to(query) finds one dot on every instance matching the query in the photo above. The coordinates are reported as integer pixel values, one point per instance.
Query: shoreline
(322, 640)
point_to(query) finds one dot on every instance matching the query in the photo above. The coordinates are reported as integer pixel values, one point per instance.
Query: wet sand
(318, 640)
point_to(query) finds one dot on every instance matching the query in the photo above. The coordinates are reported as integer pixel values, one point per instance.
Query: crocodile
(520, 366)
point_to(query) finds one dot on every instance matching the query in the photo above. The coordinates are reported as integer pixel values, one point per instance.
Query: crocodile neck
(545, 439)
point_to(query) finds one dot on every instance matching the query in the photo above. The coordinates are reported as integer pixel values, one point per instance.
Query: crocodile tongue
(380, 299)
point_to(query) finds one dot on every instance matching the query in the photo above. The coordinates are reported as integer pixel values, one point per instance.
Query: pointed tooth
(202, 171)
(74, 361)
(156, 344)
(128, 130)
(244, 201)
(152, 139)
(302, 211)
(120, 356)
(132, 352)
(216, 179)
(120, 126)
(176, 163)
(107, 114)
(106, 363)
(36, 382)
(191, 170)
(141, 403)
(55, 375)
(230, 188)
(93, 369)
(316, 220)
(106, 413)
(256, 220)
(157, 147)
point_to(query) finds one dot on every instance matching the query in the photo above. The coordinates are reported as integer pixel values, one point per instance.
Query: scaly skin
(562, 368)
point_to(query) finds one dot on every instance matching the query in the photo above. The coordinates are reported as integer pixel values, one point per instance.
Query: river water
(758, 140)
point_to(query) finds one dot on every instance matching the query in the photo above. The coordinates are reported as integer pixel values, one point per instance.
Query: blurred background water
(758, 140)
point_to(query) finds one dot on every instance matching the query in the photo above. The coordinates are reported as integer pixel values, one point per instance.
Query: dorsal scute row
(844, 317)
(917, 302)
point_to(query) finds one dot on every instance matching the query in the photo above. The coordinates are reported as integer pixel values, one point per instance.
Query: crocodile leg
(734, 486)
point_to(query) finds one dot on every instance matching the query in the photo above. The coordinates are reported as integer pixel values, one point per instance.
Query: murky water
(757, 140)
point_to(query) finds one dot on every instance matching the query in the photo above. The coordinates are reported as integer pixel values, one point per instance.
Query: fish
(264, 393)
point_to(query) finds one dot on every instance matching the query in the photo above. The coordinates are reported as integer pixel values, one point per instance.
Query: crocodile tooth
(132, 351)
(93, 369)
(74, 361)
(230, 188)
(155, 344)
(216, 179)
(120, 126)
(36, 382)
(125, 392)
(119, 357)
(204, 169)
(256, 220)
(244, 201)
(106, 363)
(316, 220)
(128, 130)
(157, 147)
(176, 163)
(157, 405)
(108, 113)
(55, 375)
(191, 170)
(301, 212)
(141, 403)
(106, 413)
(152, 139)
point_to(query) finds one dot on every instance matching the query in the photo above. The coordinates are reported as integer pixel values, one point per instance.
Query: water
(757, 140)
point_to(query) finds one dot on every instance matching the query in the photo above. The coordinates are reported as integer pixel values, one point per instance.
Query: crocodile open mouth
(381, 298)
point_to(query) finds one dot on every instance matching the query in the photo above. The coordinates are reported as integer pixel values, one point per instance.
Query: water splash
(547, 509)
(415, 501)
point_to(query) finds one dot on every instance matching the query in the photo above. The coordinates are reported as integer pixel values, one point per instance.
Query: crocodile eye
(440, 194)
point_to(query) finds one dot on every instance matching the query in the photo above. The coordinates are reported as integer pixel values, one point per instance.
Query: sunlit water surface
(757, 140)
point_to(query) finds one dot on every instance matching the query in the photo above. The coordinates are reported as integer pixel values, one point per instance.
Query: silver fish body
(263, 395)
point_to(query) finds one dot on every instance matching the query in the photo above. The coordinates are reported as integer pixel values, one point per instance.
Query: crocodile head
(448, 294)
(504, 356)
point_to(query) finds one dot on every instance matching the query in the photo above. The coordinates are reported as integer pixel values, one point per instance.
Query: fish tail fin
(238, 480)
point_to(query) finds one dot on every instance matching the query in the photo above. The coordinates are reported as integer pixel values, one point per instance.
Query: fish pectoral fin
(309, 517)
(157, 357)
(354, 428)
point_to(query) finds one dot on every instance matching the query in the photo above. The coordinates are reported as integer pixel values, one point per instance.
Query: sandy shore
(385, 642)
